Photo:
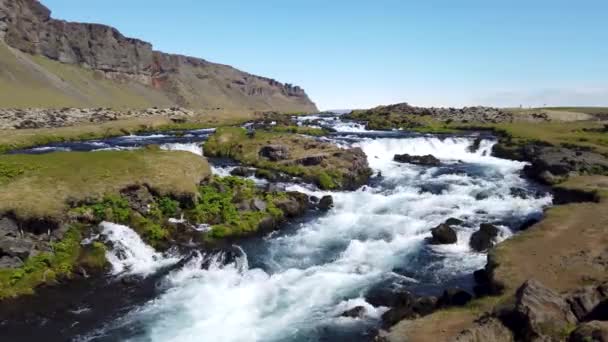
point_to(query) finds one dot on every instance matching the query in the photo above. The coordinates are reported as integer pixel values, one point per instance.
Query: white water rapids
(313, 273)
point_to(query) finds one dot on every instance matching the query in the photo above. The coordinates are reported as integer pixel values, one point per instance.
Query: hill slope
(46, 62)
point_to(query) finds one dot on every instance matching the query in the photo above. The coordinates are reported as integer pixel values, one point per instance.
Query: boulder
(274, 152)
(294, 205)
(454, 297)
(356, 312)
(242, 172)
(540, 312)
(475, 145)
(325, 203)
(267, 224)
(139, 198)
(453, 222)
(10, 262)
(16, 247)
(484, 238)
(443, 234)
(594, 331)
(589, 303)
(427, 160)
(8, 227)
(486, 328)
(259, 204)
(311, 160)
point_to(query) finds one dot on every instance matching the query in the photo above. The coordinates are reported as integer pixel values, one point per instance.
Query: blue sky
(358, 54)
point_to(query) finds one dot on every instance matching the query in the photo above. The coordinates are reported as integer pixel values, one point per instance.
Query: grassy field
(35, 81)
(40, 186)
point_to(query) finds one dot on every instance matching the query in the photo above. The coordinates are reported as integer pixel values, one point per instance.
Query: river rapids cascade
(293, 284)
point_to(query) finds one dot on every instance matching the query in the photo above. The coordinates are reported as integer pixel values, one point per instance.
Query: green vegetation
(43, 268)
(218, 203)
(317, 132)
(40, 186)
(330, 173)
(390, 120)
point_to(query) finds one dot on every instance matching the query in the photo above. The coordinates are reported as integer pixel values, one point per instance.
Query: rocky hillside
(49, 63)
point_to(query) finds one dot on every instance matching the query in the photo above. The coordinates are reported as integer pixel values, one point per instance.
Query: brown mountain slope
(46, 62)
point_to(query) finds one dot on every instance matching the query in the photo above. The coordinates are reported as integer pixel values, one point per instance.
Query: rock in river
(443, 234)
(274, 152)
(427, 160)
(484, 238)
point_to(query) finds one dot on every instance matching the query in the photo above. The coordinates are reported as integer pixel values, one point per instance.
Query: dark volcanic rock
(454, 297)
(540, 311)
(356, 312)
(427, 160)
(484, 238)
(294, 205)
(139, 198)
(486, 328)
(311, 160)
(590, 303)
(594, 331)
(326, 203)
(274, 152)
(443, 234)
(242, 172)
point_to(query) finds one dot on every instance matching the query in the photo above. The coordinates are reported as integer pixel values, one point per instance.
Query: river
(293, 284)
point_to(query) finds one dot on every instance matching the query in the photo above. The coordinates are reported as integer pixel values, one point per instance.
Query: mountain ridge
(102, 51)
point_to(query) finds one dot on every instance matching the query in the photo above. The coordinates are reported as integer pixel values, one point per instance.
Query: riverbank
(565, 251)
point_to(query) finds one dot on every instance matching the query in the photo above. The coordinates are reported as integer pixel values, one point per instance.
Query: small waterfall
(195, 148)
(129, 255)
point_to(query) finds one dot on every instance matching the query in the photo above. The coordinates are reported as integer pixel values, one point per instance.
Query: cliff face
(27, 26)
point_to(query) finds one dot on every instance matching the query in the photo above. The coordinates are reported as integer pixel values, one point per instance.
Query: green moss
(317, 132)
(168, 206)
(330, 173)
(93, 256)
(43, 268)
(325, 182)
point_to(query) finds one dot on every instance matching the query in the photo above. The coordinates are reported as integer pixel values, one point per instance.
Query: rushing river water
(292, 285)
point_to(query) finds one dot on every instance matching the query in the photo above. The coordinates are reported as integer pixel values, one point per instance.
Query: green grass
(41, 186)
(36, 81)
(317, 132)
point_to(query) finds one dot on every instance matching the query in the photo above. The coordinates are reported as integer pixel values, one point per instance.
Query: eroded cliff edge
(102, 53)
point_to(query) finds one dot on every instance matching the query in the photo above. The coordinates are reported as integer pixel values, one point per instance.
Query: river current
(292, 285)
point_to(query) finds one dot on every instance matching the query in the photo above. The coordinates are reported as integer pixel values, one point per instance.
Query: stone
(594, 331)
(311, 160)
(274, 152)
(454, 297)
(10, 262)
(453, 222)
(267, 224)
(475, 145)
(259, 204)
(356, 312)
(8, 227)
(443, 234)
(484, 238)
(486, 328)
(426, 160)
(139, 198)
(541, 312)
(325, 203)
(587, 301)
(16, 247)
(242, 172)
(294, 205)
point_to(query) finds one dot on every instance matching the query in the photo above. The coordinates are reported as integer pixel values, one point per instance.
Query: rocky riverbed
(352, 252)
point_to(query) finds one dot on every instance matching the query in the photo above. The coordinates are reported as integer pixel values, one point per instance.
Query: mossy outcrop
(324, 164)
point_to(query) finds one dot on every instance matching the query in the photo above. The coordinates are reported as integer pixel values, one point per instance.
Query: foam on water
(325, 266)
(129, 255)
(195, 148)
